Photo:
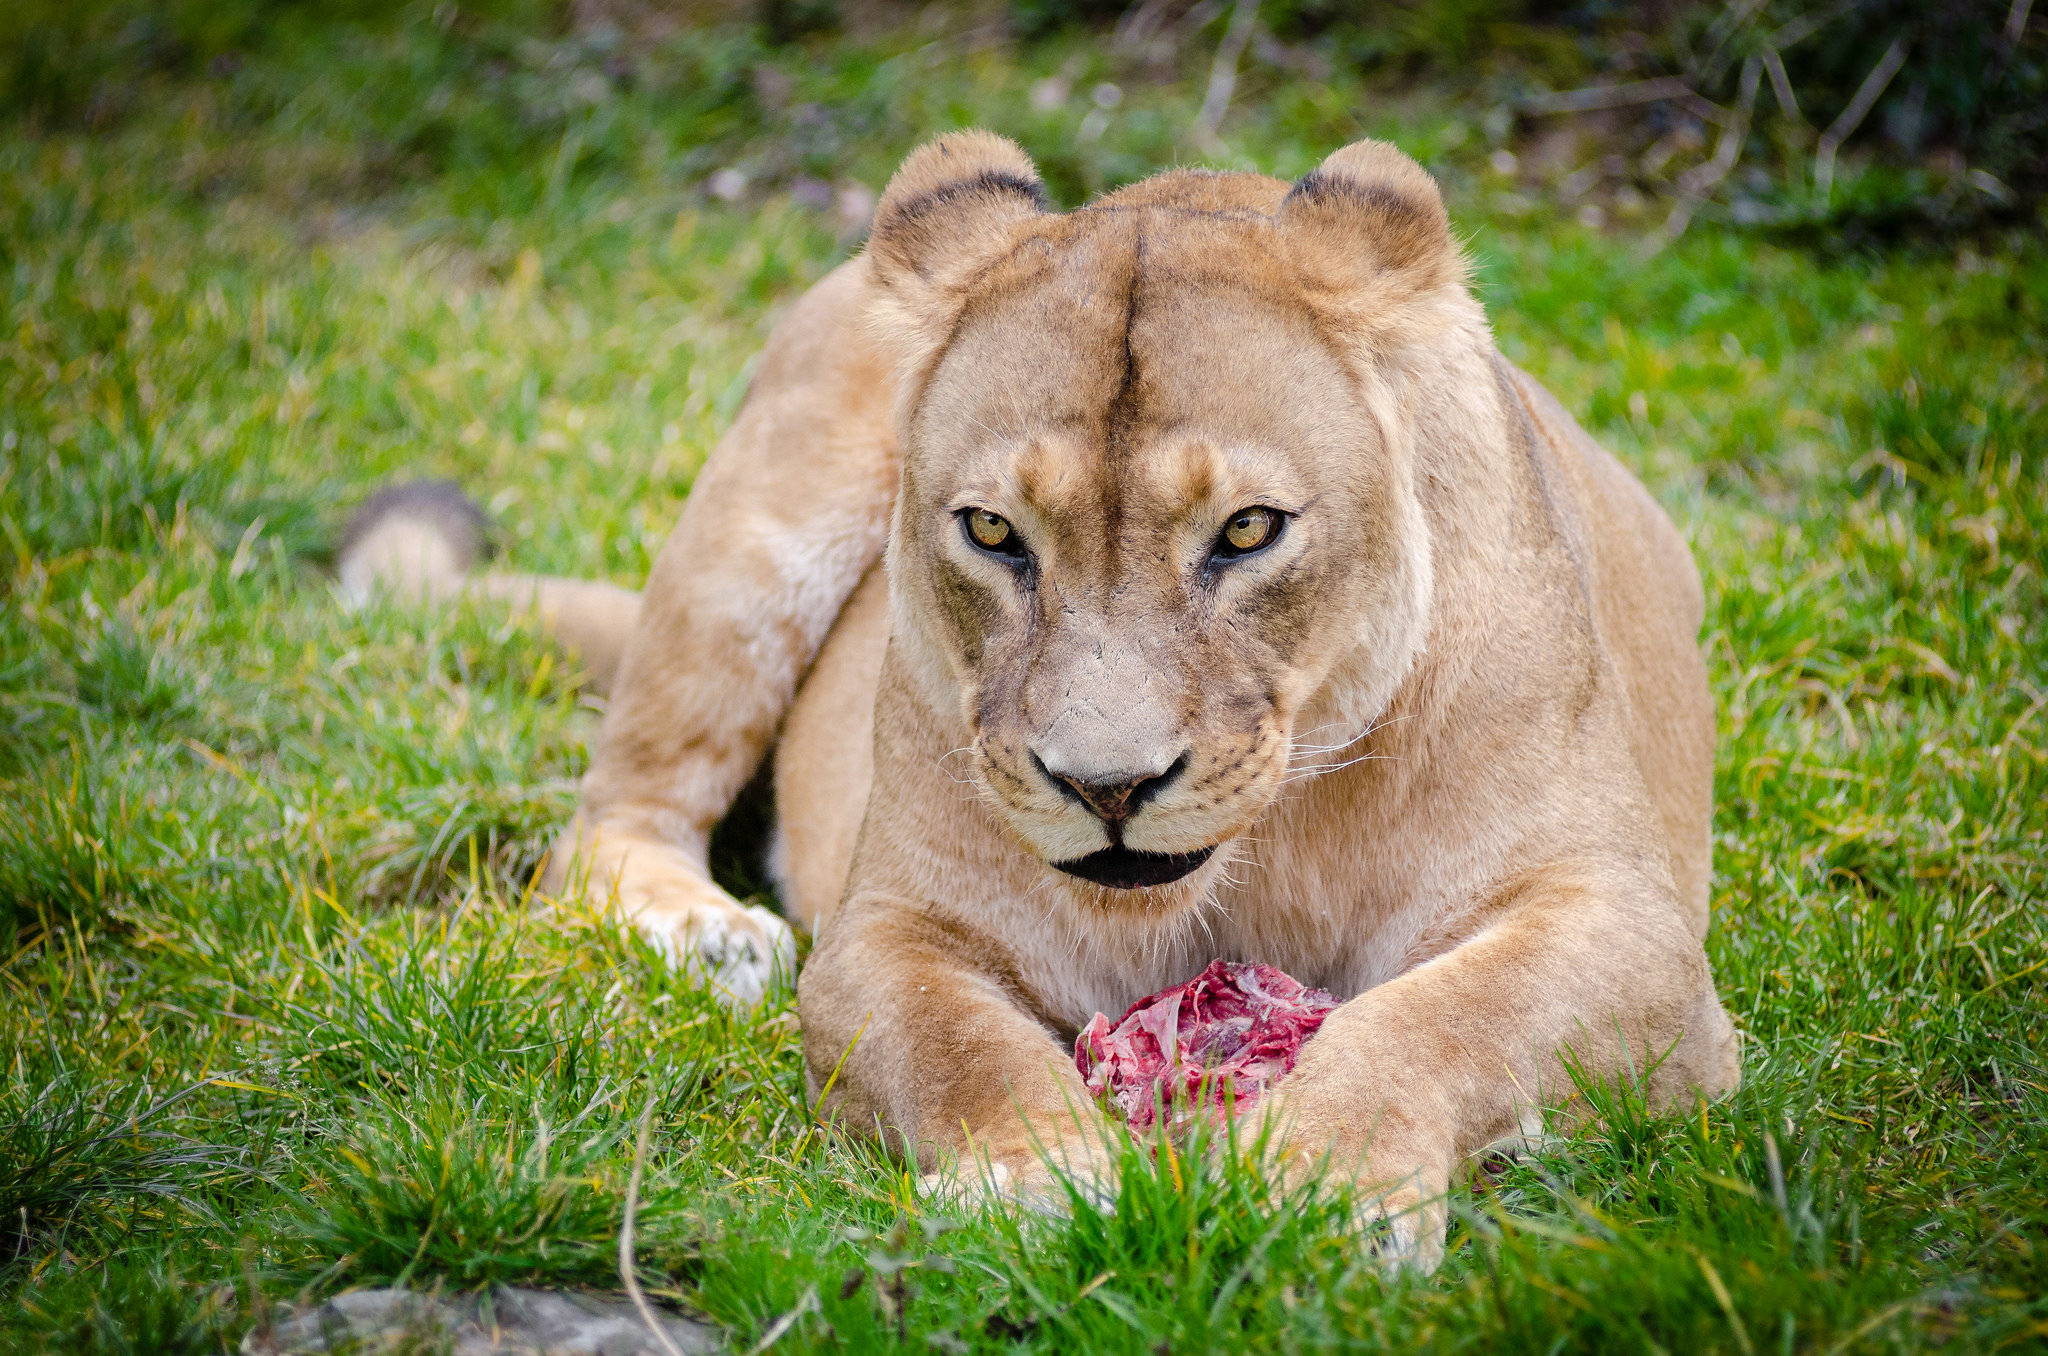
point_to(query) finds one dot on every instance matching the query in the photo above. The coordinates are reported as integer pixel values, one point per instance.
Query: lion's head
(1158, 531)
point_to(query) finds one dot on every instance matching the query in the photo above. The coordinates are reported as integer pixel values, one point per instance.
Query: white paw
(1041, 1185)
(1408, 1230)
(671, 900)
(971, 1186)
(737, 948)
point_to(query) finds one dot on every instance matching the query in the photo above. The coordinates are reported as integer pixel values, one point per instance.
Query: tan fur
(1449, 735)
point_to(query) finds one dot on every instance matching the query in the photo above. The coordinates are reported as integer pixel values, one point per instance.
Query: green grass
(276, 1016)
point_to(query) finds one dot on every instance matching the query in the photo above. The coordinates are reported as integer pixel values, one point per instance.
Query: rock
(504, 1322)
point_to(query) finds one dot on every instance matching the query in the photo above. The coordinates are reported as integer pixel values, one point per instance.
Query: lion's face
(1151, 518)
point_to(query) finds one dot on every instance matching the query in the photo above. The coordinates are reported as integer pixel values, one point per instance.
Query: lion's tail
(424, 540)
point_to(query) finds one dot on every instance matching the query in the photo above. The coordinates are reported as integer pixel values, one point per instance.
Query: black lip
(1122, 868)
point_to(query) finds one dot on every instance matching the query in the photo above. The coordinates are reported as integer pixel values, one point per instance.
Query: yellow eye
(1249, 529)
(990, 531)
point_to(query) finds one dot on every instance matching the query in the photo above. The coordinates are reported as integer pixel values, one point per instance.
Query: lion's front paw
(1046, 1183)
(672, 902)
(737, 947)
(1398, 1182)
(1406, 1224)
(969, 1184)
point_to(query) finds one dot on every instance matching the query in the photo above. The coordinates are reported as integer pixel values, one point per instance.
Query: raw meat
(1239, 1026)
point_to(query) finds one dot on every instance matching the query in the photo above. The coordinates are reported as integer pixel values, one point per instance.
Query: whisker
(959, 780)
(1310, 773)
(1369, 730)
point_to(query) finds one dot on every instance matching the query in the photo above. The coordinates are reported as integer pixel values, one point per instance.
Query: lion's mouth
(1122, 868)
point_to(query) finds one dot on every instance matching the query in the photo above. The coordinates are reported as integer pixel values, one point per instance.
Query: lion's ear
(952, 208)
(1369, 223)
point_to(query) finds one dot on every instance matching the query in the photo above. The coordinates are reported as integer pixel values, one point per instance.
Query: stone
(503, 1322)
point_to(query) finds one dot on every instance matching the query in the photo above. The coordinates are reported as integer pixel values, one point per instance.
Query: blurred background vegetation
(1857, 121)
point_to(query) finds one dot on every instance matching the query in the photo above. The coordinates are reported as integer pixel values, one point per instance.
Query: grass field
(277, 1018)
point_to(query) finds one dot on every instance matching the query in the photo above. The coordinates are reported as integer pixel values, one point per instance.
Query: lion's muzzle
(1113, 802)
(1113, 799)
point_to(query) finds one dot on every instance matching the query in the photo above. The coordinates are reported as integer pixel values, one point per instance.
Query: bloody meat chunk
(1239, 1026)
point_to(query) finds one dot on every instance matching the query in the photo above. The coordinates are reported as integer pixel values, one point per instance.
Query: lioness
(1185, 576)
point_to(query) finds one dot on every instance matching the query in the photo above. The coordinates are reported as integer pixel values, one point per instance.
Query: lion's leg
(786, 516)
(935, 1036)
(1404, 1081)
(825, 759)
(930, 1048)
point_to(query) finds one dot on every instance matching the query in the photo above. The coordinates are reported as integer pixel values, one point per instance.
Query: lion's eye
(1248, 530)
(993, 533)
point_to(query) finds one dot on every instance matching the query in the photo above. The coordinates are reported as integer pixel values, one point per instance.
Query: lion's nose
(1115, 799)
